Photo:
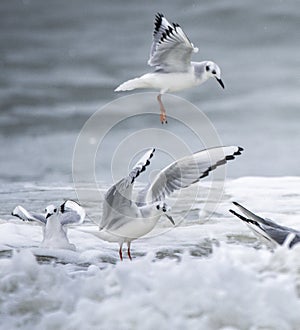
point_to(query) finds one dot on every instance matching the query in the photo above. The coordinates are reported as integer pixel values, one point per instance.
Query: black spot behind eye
(213, 72)
(207, 68)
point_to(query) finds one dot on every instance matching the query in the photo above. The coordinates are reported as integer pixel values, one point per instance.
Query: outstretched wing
(266, 228)
(188, 170)
(20, 212)
(118, 198)
(171, 49)
(71, 213)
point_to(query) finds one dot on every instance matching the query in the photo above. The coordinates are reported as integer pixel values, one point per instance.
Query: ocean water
(59, 64)
(203, 274)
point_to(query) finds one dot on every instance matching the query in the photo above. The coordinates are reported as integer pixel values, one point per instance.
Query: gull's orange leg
(163, 115)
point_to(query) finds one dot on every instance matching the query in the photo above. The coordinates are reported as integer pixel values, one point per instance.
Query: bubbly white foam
(212, 274)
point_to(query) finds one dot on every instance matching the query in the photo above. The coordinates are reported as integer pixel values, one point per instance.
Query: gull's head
(163, 208)
(50, 210)
(213, 71)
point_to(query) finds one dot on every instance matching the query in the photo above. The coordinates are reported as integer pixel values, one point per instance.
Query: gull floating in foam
(266, 228)
(125, 220)
(170, 54)
(54, 221)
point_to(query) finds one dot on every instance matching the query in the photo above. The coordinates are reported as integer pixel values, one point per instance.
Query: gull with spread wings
(54, 221)
(170, 54)
(125, 220)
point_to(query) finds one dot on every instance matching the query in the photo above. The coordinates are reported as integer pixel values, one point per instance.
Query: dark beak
(48, 215)
(220, 82)
(170, 218)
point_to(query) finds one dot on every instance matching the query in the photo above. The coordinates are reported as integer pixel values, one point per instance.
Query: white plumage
(125, 220)
(54, 221)
(170, 54)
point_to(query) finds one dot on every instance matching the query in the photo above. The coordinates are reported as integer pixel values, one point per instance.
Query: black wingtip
(236, 153)
(239, 215)
(62, 207)
(147, 163)
(236, 203)
(245, 219)
(152, 153)
(159, 15)
(17, 215)
(240, 149)
(221, 162)
(165, 35)
(157, 22)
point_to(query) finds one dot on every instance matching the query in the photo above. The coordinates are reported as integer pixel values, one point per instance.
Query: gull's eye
(54, 210)
(207, 68)
(213, 72)
(157, 206)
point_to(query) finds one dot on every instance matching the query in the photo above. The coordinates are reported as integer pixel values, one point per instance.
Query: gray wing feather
(21, 213)
(263, 221)
(253, 216)
(280, 235)
(266, 228)
(119, 196)
(160, 25)
(186, 171)
(171, 49)
(71, 213)
(70, 217)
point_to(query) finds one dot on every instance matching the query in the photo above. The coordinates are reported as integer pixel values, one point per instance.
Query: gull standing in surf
(170, 54)
(125, 220)
(54, 221)
(267, 229)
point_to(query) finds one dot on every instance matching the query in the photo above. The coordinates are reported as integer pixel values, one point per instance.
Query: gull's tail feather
(129, 85)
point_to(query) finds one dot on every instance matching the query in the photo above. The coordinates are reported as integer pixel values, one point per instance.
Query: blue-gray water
(60, 62)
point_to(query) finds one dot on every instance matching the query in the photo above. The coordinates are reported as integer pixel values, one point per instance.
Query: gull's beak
(221, 82)
(170, 218)
(48, 215)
